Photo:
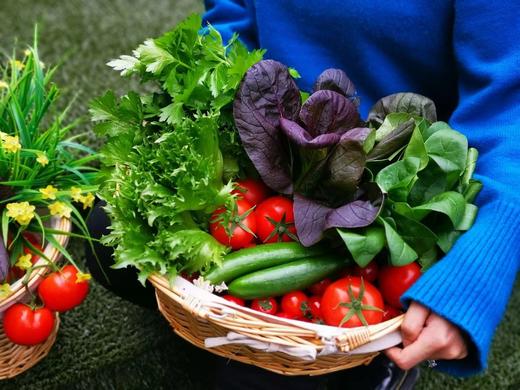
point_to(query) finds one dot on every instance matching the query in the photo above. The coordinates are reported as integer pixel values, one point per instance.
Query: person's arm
(471, 285)
(230, 16)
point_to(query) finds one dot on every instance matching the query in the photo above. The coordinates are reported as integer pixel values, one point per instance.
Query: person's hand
(427, 336)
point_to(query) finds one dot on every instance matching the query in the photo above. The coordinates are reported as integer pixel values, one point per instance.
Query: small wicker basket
(15, 359)
(280, 345)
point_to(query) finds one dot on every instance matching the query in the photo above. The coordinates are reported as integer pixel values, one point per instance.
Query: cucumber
(247, 260)
(284, 278)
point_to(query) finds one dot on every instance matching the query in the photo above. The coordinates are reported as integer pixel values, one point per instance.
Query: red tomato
(265, 305)
(390, 312)
(394, 281)
(368, 273)
(315, 306)
(237, 300)
(275, 220)
(319, 288)
(295, 303)
(25, 326)
(285, 315)
(352, 302)
(60, 292)
(242, 226)
(254, 191)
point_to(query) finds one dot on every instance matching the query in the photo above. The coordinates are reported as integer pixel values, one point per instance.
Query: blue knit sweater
(463, 54)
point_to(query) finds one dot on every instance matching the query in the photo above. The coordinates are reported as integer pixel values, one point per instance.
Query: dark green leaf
(398, 175)
(392, 141)
(411, 103)
(449, 149)
(363, 244)
(400, 252)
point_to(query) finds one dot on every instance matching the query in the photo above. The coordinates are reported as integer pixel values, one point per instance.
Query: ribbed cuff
(471, 285)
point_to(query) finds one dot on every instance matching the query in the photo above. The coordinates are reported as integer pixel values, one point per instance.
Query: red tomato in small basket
(242, 226)
(394, 281)
(265, 305)
(275, 220)
(368, 273)
(315, 307)
(295, 303)
(25, 326)
(319, 288)
(254, 191)
(352, 302)
(390, 312)
(60, 291)
(237, 300)
(282, 314)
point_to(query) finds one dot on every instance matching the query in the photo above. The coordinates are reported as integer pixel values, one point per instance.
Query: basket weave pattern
(198, 321)
(15, 359)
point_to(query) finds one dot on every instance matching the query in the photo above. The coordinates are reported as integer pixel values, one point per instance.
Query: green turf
(108, 343)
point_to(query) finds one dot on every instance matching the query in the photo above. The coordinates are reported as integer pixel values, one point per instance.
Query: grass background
(108, 343)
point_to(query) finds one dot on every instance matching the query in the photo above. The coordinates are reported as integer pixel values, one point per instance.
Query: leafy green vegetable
(170, 153)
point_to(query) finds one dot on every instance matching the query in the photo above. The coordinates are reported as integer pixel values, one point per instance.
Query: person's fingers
(440, 339)
(413, 323)
(408, 357)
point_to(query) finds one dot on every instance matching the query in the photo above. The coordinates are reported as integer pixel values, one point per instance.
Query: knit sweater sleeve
(471, 285)
(233, 16)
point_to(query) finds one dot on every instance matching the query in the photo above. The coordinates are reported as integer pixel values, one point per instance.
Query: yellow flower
(87, 200)
(48, 192)
(75, 193)
(19, 64)
(3, 84)
(24, 262)
(60, 208)
(80, 277)
(5, 290)
(26, 52)
(22, 212)
(42, 159)
(11, 144)
(3, 136)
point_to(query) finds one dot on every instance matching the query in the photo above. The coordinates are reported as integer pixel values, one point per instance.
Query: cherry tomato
(61, 292)
(254, 191)
(295, 303)
(394, 281)
(265, 305)
(237, 300)
(242, 226)
(25, 326)
(315, 306)
(275, 220)
(390, 312)
(285, 315)
(319, 288)
(351, 302)
(368, 273)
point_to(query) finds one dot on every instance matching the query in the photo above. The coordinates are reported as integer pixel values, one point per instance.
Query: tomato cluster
(60, 291)
(259, 217)
(361, 296)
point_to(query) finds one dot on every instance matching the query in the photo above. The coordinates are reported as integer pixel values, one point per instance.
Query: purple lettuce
(267, 93)
(317, 151)
(313, 218)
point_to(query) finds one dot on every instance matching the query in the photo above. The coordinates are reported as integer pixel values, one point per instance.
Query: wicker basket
(14, 359)
(280, 345)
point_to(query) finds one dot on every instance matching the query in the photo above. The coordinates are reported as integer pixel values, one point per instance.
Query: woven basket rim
(262, 326)
(19, 291)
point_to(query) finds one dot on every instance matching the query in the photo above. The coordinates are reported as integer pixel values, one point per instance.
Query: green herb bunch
(44, 171)
(171, 153)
